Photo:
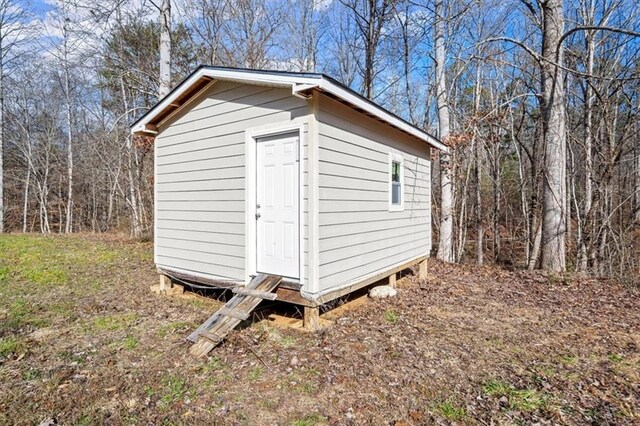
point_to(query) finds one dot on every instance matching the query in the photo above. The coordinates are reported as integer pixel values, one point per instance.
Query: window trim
(396, 157)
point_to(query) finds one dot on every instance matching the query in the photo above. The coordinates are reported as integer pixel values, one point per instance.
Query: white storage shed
(289, 174)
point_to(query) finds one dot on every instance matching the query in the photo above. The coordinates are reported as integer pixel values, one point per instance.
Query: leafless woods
(538, 100)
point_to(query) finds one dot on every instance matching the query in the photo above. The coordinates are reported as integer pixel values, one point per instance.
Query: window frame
(396, 157)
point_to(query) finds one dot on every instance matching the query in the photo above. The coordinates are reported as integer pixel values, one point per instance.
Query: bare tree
(12, 29)
(165, 48)
(445, 238)
(370, 17)
(554, 201)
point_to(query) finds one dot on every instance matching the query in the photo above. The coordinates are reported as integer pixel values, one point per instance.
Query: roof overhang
(301, 85)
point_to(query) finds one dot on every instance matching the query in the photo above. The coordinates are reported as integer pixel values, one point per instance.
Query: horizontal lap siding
(358, 234)
(200, 177)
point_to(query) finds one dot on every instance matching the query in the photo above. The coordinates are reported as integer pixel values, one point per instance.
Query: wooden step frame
(217, 326)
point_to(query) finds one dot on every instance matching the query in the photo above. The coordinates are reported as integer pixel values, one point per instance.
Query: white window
(396, 182)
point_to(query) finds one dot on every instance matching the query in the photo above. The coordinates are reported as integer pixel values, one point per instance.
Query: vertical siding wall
(358, 233)
(200, 182)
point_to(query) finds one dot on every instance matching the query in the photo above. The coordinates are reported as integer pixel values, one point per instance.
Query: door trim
(251, 139)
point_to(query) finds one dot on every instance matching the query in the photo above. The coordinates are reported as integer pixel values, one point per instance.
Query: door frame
(251, 140)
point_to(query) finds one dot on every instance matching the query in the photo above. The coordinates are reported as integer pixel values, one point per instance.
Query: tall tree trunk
(497, 201)
(478, 169)
(165, 48)
(27, 183)
(637, 175)
(554, 182)
(445, 243)
(67, 92)
(1, 142)
(588, 166)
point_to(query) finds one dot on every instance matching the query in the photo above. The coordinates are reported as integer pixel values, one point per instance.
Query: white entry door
(277, 206)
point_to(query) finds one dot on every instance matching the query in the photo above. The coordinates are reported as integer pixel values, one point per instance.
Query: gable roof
(301, 84)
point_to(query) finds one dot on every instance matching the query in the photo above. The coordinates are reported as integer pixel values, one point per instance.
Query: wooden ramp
(237, 309)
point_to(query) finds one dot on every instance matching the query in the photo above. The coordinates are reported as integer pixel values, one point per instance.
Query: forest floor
(84, 341)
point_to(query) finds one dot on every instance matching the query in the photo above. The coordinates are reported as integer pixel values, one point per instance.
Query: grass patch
(287, 341)
(45, 275)
(391, 316)
(46, 261)
(64, 309)
(130, 343)
(174, 389)
(527, 400)
(568, 359)
(615, 358)
(496, 388)
(214, 364)
(32, 374)
(17, 315)
(114, 322)
(255, 373)
(4, 273)
(174, 327)
(450, 410)
(10, 346)
(310, 420)
(519, 399)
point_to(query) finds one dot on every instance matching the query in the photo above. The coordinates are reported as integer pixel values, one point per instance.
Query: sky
(38, 7)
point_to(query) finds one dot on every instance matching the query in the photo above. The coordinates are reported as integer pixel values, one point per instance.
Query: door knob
(258, 216)
(257, 206)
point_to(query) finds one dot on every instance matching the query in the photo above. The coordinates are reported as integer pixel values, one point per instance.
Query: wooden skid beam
(328, 297)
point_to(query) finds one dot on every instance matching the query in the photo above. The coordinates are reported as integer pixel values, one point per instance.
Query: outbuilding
(288, 174)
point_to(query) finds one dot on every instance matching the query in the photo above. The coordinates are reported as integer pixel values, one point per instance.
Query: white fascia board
(297, 84)
(381, 114)
(140, 126)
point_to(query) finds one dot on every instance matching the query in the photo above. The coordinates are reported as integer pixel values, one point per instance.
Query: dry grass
(83, 341)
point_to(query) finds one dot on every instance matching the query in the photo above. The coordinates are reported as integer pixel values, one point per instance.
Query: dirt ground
(84, 341)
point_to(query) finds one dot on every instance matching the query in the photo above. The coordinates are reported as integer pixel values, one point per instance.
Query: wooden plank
(218, 325)
(254, 293)
(242, 316)
(212, 337)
